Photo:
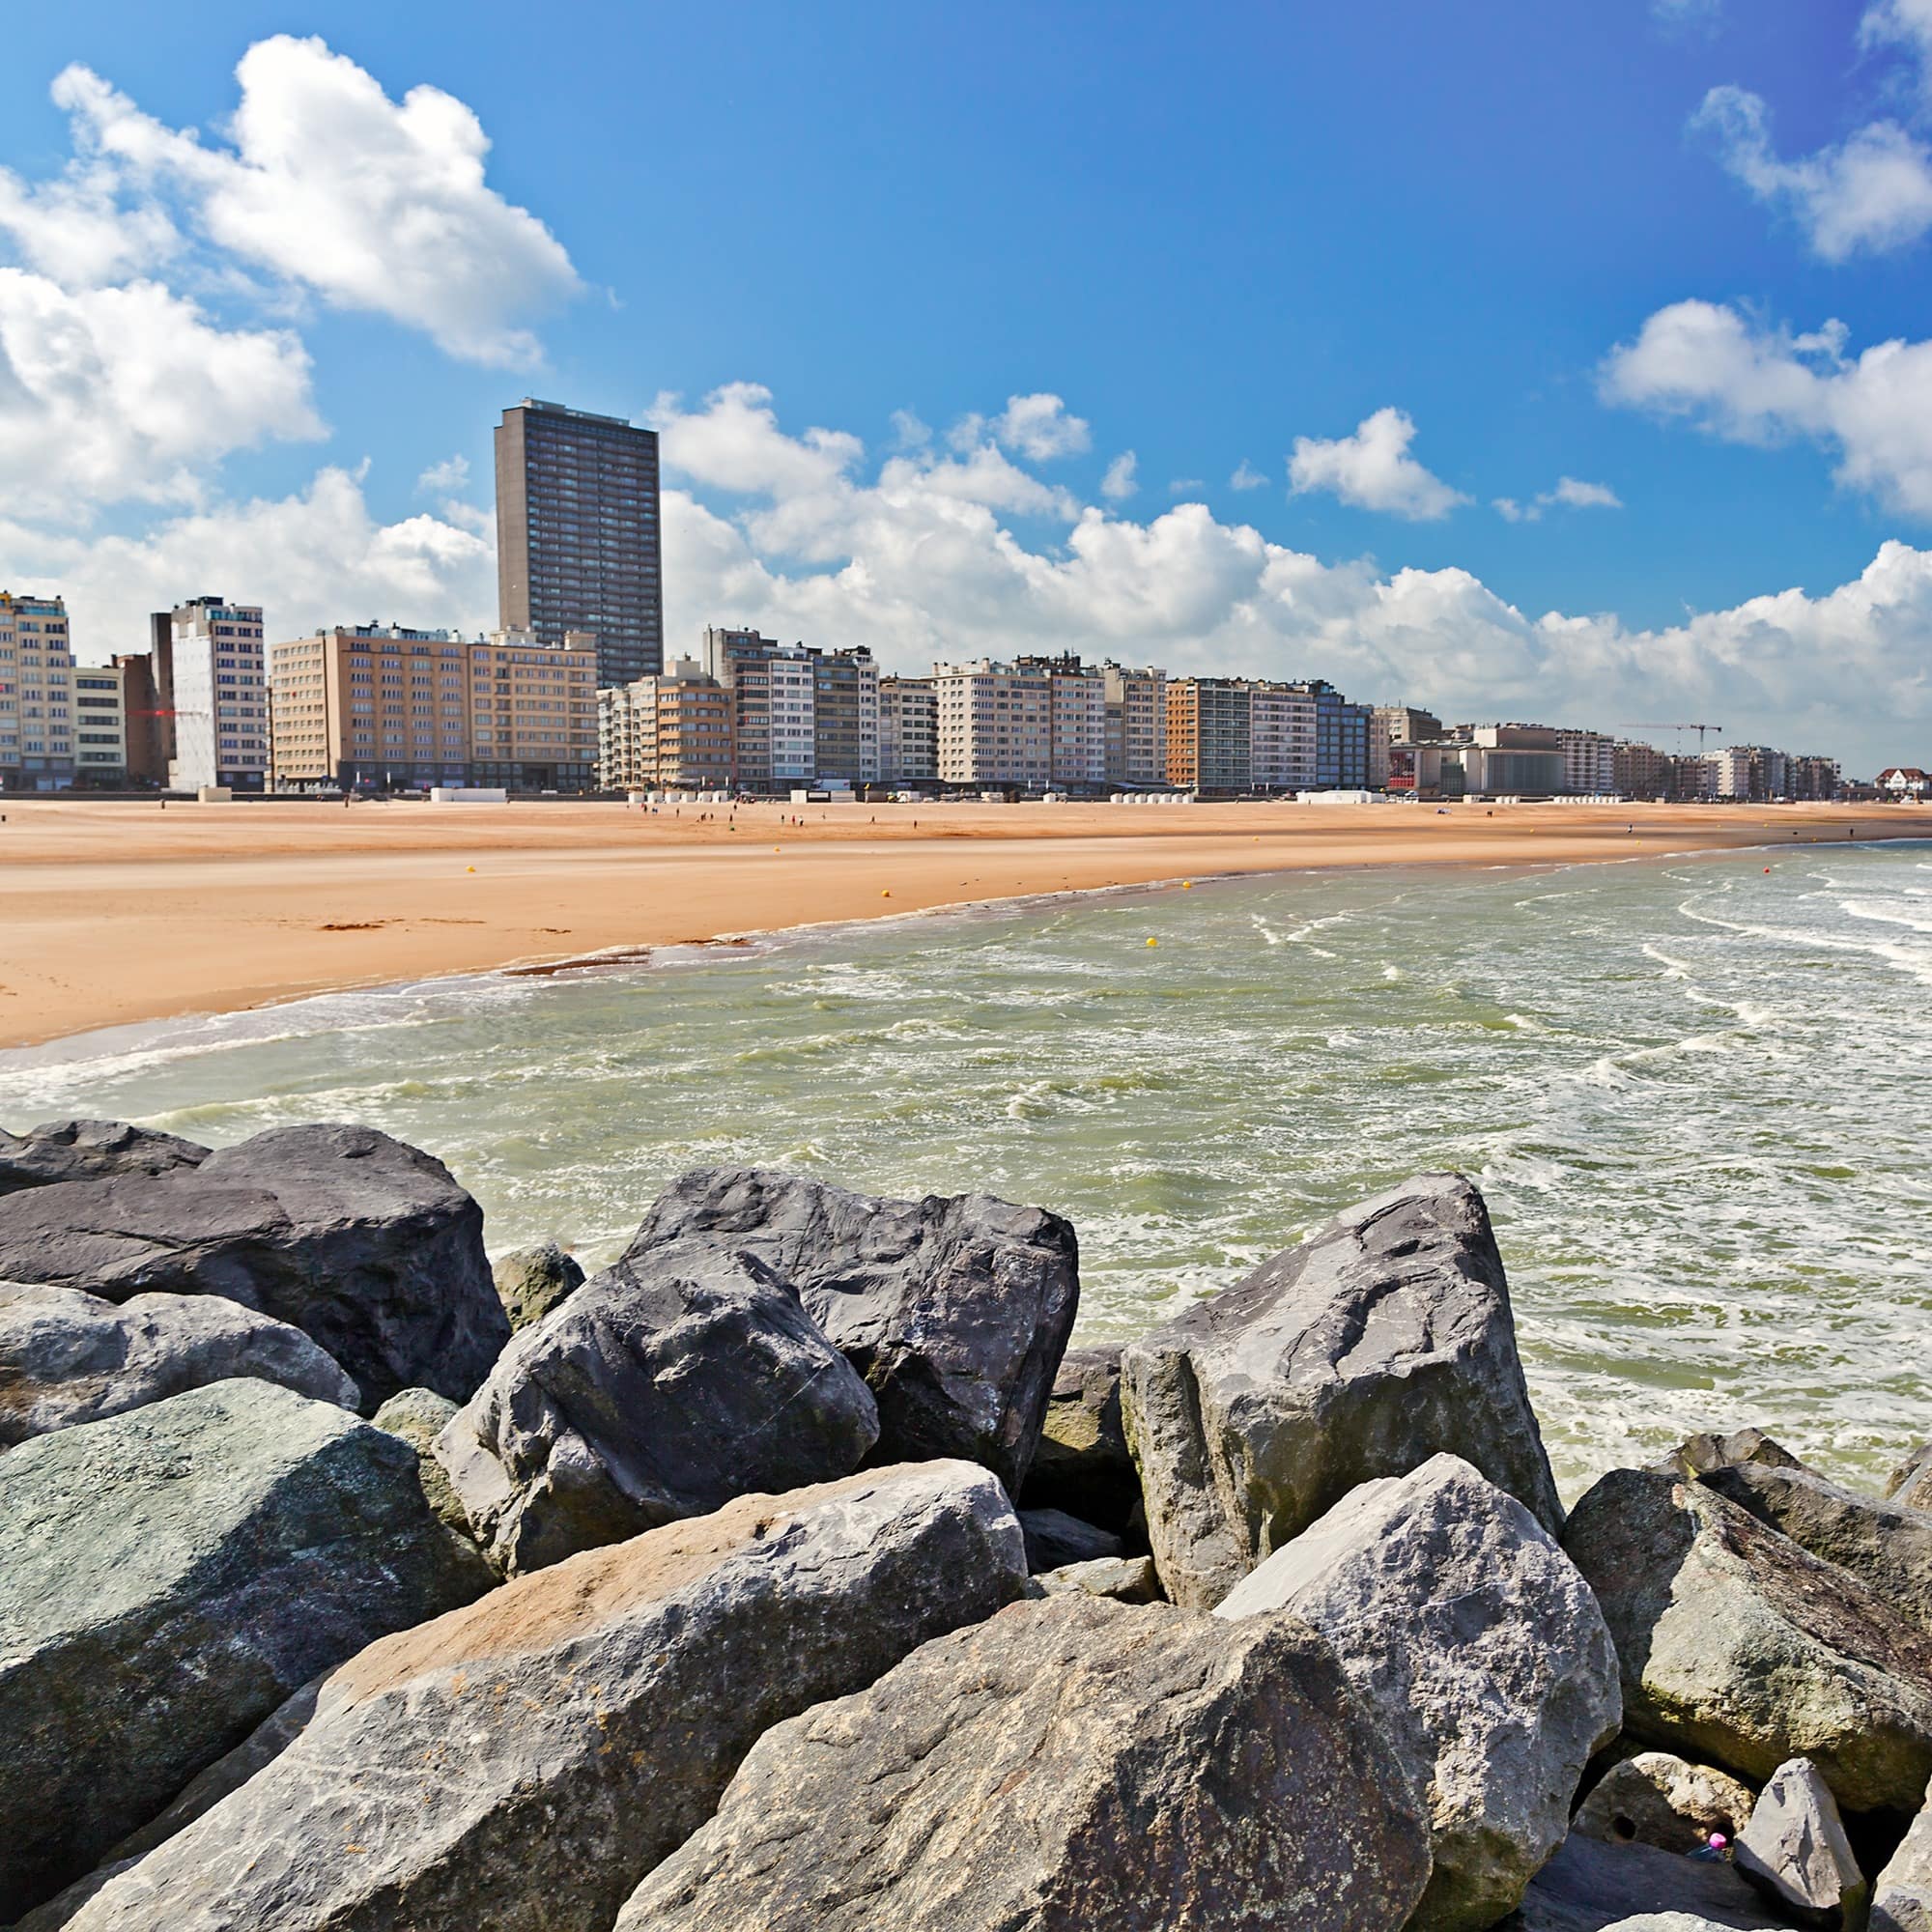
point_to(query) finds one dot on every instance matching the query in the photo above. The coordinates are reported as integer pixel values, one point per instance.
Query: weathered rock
(1911, 1483)
(532, 1281)
(1127, 1579)
(89, 1151)
(1699, 1455)
(955, 1309)
(1591, 1886)
(1795, 1850)
(366, 1245)
(1482, 1654)
(1054, 1539)
(1083, 1464)
(669, 1384)
(1902, 1898)
(419, 1416)
(1361, 1353)
(67, 1356)
(1656, 1798)
(1742, 1649)
(1886, 1544)
(167, 1577)
(1073, 1763)
(522, 1763)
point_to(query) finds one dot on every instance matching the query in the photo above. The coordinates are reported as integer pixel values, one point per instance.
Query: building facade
(1209, 735)
(36, 729)
(673, 732)
(1283, 728)
(1077, 707)
(995, 725)
(100, 724)
(908, 731)
(1589, 762)
(845, 715)
(381, 706)
(1391, 724)
(578, 543)
(217, 698)
(147, 744)
(1136, 725)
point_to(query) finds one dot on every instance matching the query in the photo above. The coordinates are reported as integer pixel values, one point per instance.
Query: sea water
(1695, 1092)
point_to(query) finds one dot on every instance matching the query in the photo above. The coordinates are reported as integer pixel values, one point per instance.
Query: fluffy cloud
(1040, 429)
(115, 393)
(316, 558)
(328, 184)
(918, 570)
(1571, 492)
(1906, 23)
(1373, 470)
(1119, 484)
(1872, 191)
(1748, 382)
(1246, 477)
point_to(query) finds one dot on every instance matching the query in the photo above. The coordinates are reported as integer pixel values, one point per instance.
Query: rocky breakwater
(705, 1600)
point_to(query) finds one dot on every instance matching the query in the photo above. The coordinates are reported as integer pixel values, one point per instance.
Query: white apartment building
(218, 691)
(1589, 762)
(36, 695)
(1077, 699)
(1281, 737)
(1136, 725)
(908, 728)
(995, 724)
(773, 697)
(100, 721)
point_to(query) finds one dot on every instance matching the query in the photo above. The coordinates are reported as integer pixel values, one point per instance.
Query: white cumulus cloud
(1373, 470)
(1571, 492)
(1246, 477)
(1869, 192)
(328, 184)
(1118, 484)
(1040, 427)
(109, 394)
(1749, 383)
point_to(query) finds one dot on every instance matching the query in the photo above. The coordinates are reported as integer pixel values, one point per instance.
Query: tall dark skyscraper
(577, 534)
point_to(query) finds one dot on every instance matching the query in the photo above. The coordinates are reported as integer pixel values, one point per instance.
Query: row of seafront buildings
(572, 693)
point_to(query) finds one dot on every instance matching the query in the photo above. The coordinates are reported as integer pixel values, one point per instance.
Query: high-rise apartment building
(845, 715)
(1341, 738)
(1283, 727)
(995, 724)
(799, 714)
(577, 534)
(100, 723)
(218, 694)
(1209, 735)
(149, 747)
(36, 695)
(1136, 725)
(908, 729)
(673, 730)
(386, 706)
(1589, 762)
(1077, 701)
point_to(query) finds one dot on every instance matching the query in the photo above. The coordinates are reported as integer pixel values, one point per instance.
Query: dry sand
(120, 912)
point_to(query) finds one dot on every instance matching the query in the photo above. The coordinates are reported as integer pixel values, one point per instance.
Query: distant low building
(1392, 724)
(1904, 781)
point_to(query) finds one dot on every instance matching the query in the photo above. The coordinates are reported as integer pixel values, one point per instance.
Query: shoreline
(117, 918)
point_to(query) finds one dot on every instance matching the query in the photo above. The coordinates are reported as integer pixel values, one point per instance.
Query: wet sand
(119, 912)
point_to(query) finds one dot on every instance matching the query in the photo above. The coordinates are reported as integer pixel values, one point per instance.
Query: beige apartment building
(387, 707)
(995, 724)
(908, 729)
(100, 724)
(1136, 725)
(36, 695)
(672, 732)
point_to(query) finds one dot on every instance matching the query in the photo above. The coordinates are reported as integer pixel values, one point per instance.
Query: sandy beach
(121, 912)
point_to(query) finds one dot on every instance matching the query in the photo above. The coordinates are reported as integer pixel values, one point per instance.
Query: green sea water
(1695, 1092)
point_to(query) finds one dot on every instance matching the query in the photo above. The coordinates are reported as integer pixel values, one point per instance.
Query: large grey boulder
(1911, 1483)
(1656, 1798)
(1385, 1339)
(1796, 1852)
(167, 1577)
(532, 1281)
(664, 1387)
(1591, 1886)
(1699, 1455)
(1127, 1579)
(1482, 1654)
(68, 1357)
(1902, 1898)
(1054, 1539)
(366, 1245)
(89, 1151)
(1887, 1544)
(1742, 1649)
(522, 1763)
(956, 1310)
(1073, 1763)
(1082, 1463)
(419, 1416)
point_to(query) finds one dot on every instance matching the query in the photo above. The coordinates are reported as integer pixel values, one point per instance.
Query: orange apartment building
(379, 707)
(673, 732)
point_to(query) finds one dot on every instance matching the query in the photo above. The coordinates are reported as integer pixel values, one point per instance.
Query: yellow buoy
(470, 868)
(885, 895)
(1153, 942)
(1188, 885)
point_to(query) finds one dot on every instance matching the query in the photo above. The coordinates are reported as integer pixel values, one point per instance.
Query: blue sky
(1391, 266)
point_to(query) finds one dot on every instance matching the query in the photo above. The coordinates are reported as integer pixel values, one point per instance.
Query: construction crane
(1700, 729)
